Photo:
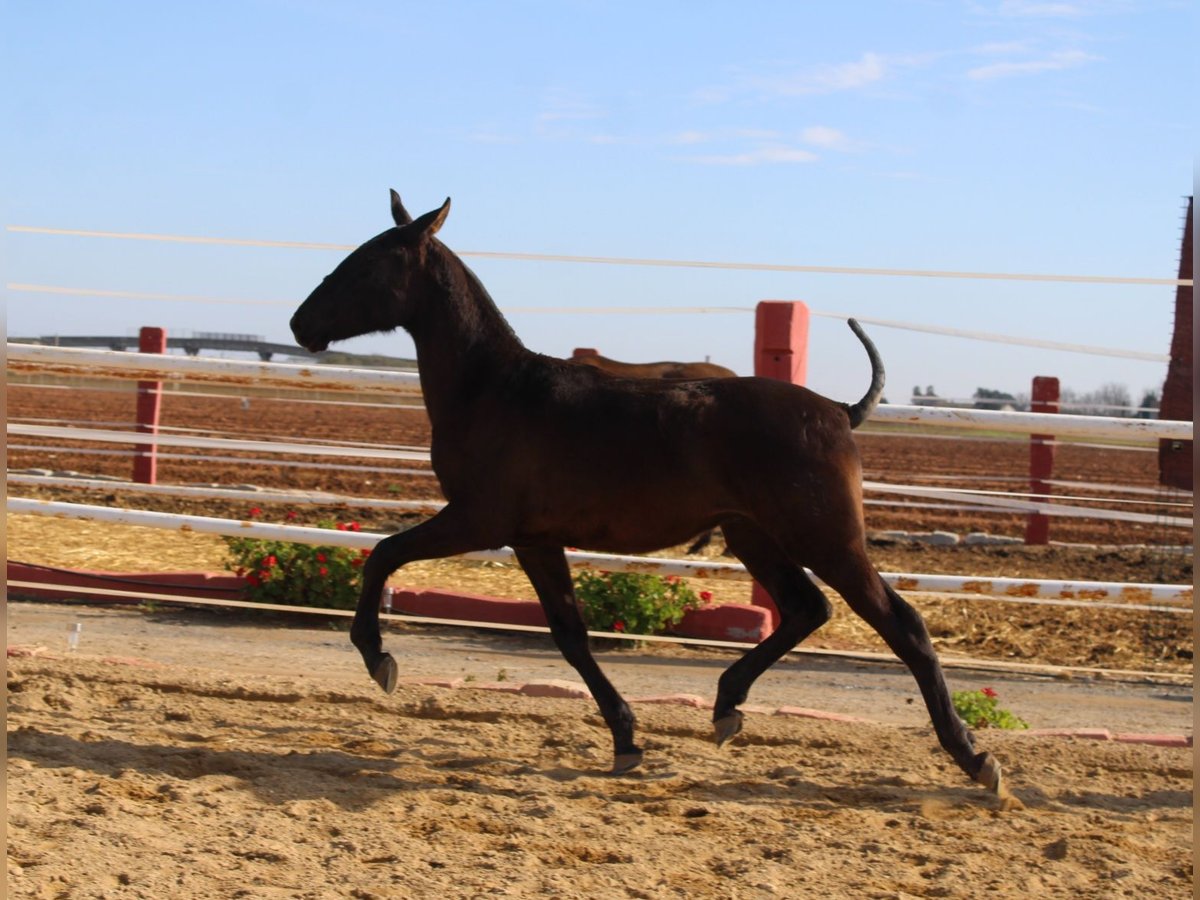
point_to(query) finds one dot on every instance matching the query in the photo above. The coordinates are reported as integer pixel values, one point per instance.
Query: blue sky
(998, 136)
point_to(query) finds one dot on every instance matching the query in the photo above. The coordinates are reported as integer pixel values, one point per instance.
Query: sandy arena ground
(177, 757)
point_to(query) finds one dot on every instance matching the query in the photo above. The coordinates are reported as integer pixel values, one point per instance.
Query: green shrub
(632, 603)
(298, 574)
(979, 710)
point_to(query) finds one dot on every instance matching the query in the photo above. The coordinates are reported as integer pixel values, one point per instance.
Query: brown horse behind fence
(538, 454)
(674, 371)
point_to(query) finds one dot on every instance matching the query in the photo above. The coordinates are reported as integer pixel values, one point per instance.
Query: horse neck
(463, 342)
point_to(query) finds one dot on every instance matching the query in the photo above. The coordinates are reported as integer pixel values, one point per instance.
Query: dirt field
(275, 769)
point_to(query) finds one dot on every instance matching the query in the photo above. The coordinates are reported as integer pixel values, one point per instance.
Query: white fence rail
(1150, 597)
(149, 366)
(167, 367)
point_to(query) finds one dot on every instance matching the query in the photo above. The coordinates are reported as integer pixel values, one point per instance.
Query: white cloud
(767, 154)
(827, 79)
(1063, 59)
(1030, 9)
(828, 138)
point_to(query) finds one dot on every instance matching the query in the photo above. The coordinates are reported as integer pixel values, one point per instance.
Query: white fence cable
(1039, 343)
(612, 260)
(1157, 597)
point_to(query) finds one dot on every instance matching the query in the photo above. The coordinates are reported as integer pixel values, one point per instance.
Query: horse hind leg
(904, 631)
(802, 610)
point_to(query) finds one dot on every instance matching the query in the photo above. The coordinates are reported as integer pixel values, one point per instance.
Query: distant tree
(1148, 407)
(1108, 400)
(986, 398)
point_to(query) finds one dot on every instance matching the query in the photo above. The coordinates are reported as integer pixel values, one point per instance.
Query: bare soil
(272, 767)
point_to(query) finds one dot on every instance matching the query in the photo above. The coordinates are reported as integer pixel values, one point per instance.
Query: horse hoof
(990, 775)
(727, 726)
(625, 762)
(386, 673)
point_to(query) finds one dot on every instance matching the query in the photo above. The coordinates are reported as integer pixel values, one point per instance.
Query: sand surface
(179, 756)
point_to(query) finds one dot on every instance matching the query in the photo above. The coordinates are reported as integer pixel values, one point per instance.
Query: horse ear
(429, 224)
(399, 213)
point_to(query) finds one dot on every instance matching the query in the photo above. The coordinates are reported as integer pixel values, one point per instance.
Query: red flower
(706, 596)
(356, 563)
(988, 692)
(364, 553)
(264, 575)
(341, 526)
(240, 573)
(292, 515)
(252, 579)
(320, 557)
(618, 626)
(354, 526)
(255, 512)
(323, 571)
(270, 562)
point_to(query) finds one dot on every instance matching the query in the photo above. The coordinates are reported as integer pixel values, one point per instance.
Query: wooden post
(1043, 398)
(149, 404)
(781, 352)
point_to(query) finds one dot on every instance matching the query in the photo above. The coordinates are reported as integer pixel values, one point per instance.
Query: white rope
(613, 260)
(648, 310)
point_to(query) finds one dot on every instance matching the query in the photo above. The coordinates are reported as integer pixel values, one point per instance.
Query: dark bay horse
(539, 454)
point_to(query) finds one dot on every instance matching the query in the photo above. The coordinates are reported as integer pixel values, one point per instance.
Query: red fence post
(149, 403)
(781, 352)
(781, 340)
(1044, 399)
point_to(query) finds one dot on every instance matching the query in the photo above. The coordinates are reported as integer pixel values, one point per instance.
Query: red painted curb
(1157, 740)
(731, 622)
(73, 584)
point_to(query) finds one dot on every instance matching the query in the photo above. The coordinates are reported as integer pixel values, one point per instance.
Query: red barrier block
(728, 622)
(438, 604)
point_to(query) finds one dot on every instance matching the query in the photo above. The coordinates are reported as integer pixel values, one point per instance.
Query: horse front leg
(551, 579)
(446, 534)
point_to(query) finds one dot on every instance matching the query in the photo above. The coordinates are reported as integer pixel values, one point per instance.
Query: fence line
(614, 260)
(151, 366)
(1039, 343)
(109, 436)
(983, 501)
(1157, 597)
